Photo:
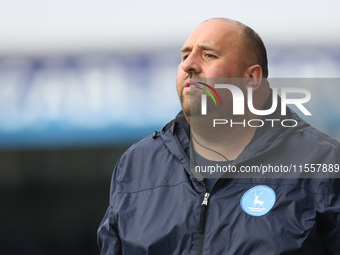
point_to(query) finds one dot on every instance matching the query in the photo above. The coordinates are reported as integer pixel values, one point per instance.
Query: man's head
(220, 48)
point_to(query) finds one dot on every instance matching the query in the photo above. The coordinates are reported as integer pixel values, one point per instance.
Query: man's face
(213, 50)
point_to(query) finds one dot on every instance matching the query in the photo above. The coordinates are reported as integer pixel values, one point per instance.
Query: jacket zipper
(204, 206)
(203, 209)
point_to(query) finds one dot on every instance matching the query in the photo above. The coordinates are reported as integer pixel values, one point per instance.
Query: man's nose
(191, 64)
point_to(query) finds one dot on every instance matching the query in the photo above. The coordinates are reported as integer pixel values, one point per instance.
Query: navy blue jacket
(156, 202)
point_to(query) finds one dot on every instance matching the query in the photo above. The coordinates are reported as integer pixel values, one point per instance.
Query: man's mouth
(191, 85)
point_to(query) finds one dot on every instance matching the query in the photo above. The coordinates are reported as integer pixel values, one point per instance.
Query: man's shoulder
(145, 146)
(155, 158)
(308, 135)
(314, 136)
(310, 145)
(150, 145)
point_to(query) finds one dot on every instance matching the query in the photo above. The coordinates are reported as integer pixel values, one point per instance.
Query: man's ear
(254, 76)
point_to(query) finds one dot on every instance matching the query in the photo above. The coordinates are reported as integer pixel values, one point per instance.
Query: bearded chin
(192, 108)
(195, 111)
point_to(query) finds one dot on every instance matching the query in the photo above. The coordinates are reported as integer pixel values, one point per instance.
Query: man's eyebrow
(201, 47)
(186, 49)
(207, 47)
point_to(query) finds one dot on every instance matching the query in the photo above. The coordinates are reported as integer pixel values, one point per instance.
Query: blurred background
(80, 81)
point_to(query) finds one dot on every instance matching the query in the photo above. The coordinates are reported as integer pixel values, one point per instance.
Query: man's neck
(228, 141)
(231, 137)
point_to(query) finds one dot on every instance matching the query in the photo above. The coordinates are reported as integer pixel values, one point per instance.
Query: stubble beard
(191, 105)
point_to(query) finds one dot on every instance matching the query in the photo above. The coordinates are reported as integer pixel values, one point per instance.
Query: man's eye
(210, 55)
(184, 57)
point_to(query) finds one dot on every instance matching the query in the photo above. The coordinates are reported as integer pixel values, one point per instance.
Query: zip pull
(202, 216)
(205, 200)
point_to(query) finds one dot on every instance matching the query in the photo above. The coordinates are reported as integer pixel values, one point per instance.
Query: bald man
(220, 48)
(164, 201)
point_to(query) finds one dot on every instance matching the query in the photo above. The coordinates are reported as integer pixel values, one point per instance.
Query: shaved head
(254, 48)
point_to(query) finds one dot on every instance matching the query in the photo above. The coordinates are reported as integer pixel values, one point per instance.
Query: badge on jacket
(258, 200)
